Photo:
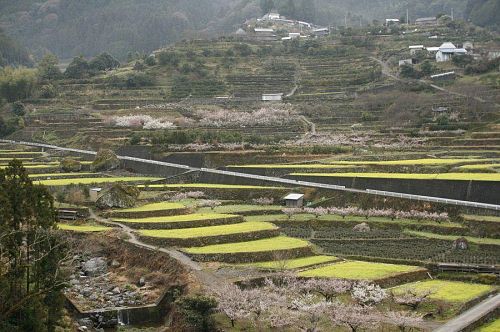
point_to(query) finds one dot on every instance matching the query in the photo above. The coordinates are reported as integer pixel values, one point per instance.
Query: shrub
(105, 160)
(70, 165)
(196, 311)
(17, 83)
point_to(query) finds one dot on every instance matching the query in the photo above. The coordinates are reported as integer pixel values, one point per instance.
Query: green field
(291, 166)
(241, 208)
(60, 175)
(412, 176)
(189, 233)
(411, 162)
(471, 239)
(209, 186)
(179, 218)
(290, 264)
(10, 159)
(155, 207)
(480, 166)
(491, 327)
(83, 181)
(449, 291)
(481, 218)
(20, 153)
(83, 228)
(356, 270)
(276, 243)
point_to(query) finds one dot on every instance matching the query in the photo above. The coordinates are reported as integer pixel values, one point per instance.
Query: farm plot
(63, 175)
(448, 291)
(151, 210)
(471, 239)
(355, 270)
(207, 186)
(83, 228)
(90, 181)
(291, 264)
(491, 327)
(181, 221)
(412, 176)
(243, 209)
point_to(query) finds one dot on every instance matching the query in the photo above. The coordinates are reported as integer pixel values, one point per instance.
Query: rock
(105, 160)
(363, 228)
(95, 266)
(116, 290)
(85, 322)
(82, 328)
(118, 196)
(115, 263)
(70, 165)
(142, 282)
(74, 282)
(460, 244)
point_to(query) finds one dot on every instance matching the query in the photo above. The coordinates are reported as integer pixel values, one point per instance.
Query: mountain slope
(11, 53)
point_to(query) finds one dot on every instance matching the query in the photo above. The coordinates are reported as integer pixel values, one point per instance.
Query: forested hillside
(72, 27)
(11, 53)
(484, 13)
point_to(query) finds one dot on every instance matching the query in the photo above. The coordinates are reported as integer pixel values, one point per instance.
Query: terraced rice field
(189, 233)
(62, 175)
(276, 243)
(83, 228)
(291, 264)
(491, 327)
(83, 181)
(471, 239)
(10, 159)
(292, 166)
(448, 291)
(479, 166)
(177, 219)
(484, 218)
(355, 270)
(412, 176)
(208, 186)
(241, 208)
(155, 207)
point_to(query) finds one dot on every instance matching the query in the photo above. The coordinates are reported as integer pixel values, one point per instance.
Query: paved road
(471, 316)
(288, 182)
(209, 280)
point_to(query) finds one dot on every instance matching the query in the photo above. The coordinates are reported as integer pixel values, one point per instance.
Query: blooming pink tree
(354, 317)
(368, 294)
(263, 201)
(212, 204)
(328, 288)
(411, 298)
(404, 320)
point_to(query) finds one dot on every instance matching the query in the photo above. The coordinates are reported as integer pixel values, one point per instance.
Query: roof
(96, 189)
(294, 197)
(321, 29)
(392, 20)
(433, 49)
(423, 19)
(263, 30)
(416, 46)
(461, 50)
(447, 47)
(443, 74)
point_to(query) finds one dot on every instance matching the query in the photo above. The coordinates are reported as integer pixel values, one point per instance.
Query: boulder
(118, 196)
(95, 266)
(142, 282)
(115, 263)
(363, 228)
(460, 244)
(70, 165)
(105, 160)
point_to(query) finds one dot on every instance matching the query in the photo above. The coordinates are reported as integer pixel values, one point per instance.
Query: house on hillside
(423, 21)
(415, 48)
(321, 31)
(272, 97)
(389, 21)
(447, 51)
(265, 34)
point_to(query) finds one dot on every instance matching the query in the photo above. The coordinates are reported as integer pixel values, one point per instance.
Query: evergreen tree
(31, 254)
(78, 68)
(289, 9)
(47, 68)
(266, 6)
(308, 10)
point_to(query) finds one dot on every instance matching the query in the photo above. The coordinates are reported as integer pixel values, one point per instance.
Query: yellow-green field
(20, 153)
(155, 207)
(478, 240)
(290, 264)
(292, 166)
(356, 270)
(208, 186)
(449, 291)
(10, 159)
(83, 228)
(491, 327)
(480, 166)
(276, 243)
(83, 181)
(412, 176)
(241, 208)
(179, 218)
(485, 218)
(27, 166)
(60, 175)
(190, 233)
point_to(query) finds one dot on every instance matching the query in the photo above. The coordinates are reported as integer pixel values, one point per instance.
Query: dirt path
(310, 124)
(472, 315)
(209, 280)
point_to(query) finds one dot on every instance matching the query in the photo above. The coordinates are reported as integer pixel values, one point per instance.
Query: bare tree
(411, 298)
(405, 321)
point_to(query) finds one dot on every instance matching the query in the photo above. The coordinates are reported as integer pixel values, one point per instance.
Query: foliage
(105, 160)
(12, 53)
(482, 13)
(196, 311)
(78, 68)
(48, 69)
(17, 83)
(482, 66)
(70, 165)
(31, 254)
(103, 62)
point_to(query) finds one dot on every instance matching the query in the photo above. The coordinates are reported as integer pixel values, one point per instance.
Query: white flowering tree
(367, 294)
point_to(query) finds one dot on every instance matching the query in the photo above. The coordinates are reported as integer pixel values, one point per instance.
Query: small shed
(389, 21)
(294, 200)
(415, 48)
(410, 62)
(272, 97)
(426, 21)
(321, 31)
(94, 194)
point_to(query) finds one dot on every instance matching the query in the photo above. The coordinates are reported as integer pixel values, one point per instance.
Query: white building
(321, 31)
(432, 49)
(294, 35)
(272, 97)
(294, 200)
(415, 48)
(447, 51)
(389, 21)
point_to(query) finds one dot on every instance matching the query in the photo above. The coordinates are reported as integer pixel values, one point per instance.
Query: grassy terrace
(208, 186)
(276, 243)
(449, 291)
(241, 208)
(479, 166)
(180, 218)
(10, 159)
(477, 240)
(292, 166)
(481, 218)
(20, 153)
(27, 166)
(412, 176)
(66, 182)
(83, 228)
(491, 327)
(290, 264)
(356, 270)
(61, 175)
(189, 233)
(155, 207)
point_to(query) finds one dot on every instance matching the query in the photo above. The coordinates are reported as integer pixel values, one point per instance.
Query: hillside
(68, 28)
(11, 53)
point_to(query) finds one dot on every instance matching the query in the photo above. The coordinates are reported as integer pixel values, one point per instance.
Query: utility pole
(407, 16)
(345, 20)
(452, 14)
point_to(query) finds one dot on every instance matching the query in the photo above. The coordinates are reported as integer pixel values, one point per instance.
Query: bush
(137, 80)
(70, 165)
(150, 61)
(17, 83)
(48, 91)
(105, 160)
(169, 58)
(78, 68)
(196, 311)
(18, 108)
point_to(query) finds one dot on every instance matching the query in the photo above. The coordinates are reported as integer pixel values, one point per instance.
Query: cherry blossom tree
(263, 201)
(411, 298)
(212, 204)
(367, 294)
(354, 317)
(405, 321)
(328, 288)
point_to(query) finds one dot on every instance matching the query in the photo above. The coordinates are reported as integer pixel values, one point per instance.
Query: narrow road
(385, 69)
(209, 280)
(310, 124)
(472, 315)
